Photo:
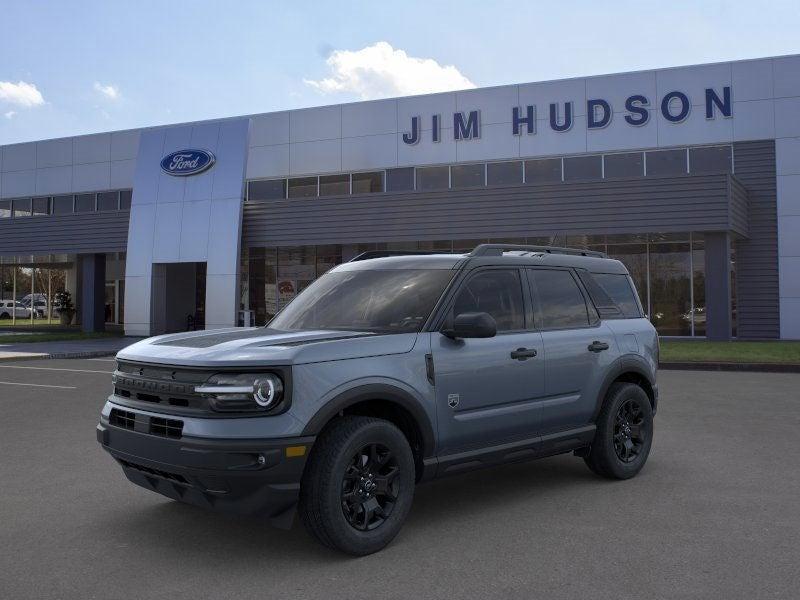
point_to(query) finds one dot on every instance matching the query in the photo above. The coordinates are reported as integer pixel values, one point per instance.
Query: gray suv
(389, 370)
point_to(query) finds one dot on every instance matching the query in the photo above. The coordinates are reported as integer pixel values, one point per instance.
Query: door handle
(596, 346)
(523, 353)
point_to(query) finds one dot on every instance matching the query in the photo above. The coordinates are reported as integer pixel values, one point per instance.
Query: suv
(387, 371)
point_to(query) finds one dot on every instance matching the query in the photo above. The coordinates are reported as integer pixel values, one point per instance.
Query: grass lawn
(734, 352)
(54, 336)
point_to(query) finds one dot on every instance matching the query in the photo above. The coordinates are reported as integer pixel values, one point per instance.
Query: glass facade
(668, 270)
(47, 292)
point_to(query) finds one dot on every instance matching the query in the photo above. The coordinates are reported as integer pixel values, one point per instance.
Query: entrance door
(484, 395)
(178, 297)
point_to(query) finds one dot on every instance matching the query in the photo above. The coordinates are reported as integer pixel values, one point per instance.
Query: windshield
(393, 301)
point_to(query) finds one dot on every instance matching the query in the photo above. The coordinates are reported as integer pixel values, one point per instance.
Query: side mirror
(472, 325)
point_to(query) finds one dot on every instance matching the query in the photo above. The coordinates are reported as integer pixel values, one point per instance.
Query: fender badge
(453, 400)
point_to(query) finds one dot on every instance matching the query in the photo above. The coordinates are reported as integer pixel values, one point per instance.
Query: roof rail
(384, 253)
(499, 249)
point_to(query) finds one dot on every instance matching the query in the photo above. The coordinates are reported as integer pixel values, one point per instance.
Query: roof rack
(385, 253)
(499, 249)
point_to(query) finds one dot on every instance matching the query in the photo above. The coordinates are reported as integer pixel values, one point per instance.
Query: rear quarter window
(613, 294)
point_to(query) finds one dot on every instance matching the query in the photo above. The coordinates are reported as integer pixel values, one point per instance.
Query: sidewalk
(67, 349)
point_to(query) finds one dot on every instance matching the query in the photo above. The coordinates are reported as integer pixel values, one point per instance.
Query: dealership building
(688, 175)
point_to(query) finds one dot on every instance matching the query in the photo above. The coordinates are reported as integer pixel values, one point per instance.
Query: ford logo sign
(187, 162)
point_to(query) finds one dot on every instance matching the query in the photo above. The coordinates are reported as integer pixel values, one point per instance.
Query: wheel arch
(387, 402)
(630, 370)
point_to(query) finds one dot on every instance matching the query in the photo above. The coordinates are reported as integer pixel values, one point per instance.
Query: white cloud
(380, 71)
(10, 114)
(109, 91)
(20, 93)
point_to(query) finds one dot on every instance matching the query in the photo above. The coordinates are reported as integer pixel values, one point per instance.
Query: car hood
(259, 346)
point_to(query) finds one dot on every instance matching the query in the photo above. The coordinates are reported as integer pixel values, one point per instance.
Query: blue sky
(69, 68)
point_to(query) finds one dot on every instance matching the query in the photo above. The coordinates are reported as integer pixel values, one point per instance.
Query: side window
(620, 289)
(561, 302)
(497, 292)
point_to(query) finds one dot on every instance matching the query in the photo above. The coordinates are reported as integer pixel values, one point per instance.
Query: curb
(725, 366)
(59, 355)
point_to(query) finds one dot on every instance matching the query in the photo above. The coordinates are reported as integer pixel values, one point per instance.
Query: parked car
(11, 308)
(40, 305)
(385, 372)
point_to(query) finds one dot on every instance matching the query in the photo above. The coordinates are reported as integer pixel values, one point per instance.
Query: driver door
(484, 395)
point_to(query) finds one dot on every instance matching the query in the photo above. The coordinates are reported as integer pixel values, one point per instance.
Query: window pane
(272, 189)
(303, 187)
(468, 175)
(699, 283)
(41, 206)
(125, 199)
(560, 300)
(5, 209)
(624, 165)
(334, 185)
(22, 207)
(84, 202)
(666, 162)
(710, 160)
(497, 292)
(62, 205)
(328, 257)
(543, 171)
(618, 288)
(108, 201)
(367, 183)
(504, 173)
(669, 288)
(578, 168)
(445, 246)
(433, 178)
(463, 246)
(296, 270)
(634, 257)
(400, 180)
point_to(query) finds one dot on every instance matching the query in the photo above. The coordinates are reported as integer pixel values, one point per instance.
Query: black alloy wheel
(629, 431)
(358, 484)
(624, 433)
(370, 487)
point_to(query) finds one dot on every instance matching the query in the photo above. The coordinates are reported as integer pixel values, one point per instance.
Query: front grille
(157, 472)
(171, 388)
(122, 418)
(171, 428)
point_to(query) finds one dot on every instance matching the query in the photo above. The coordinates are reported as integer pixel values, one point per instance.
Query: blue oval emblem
(187, 162)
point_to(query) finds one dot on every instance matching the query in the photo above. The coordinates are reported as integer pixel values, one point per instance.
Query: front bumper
(249, 477)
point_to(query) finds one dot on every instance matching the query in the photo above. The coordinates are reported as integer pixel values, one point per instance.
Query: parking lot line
(63, 387)
(55, 369)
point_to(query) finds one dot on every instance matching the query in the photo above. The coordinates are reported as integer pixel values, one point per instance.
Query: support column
(93, 291)
(718, 286)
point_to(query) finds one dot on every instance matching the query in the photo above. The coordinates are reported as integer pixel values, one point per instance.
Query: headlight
(242, 392)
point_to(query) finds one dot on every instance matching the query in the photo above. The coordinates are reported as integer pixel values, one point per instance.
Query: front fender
(394, 391)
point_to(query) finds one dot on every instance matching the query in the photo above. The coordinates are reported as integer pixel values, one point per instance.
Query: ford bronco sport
(385, 372)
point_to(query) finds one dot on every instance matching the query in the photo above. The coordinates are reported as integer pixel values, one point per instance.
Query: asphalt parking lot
(714, 514)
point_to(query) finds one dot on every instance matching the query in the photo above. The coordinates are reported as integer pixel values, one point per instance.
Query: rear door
(578, 348)
(487, 389)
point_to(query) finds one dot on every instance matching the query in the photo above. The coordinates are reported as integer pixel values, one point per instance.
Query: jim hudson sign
(674, 106)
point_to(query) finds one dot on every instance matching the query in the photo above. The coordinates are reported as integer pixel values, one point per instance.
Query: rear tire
(624, 433)
(358, 486)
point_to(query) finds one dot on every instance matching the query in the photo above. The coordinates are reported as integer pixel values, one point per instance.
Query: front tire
(624, 433)
(358, 486)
